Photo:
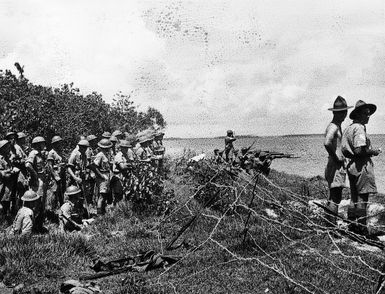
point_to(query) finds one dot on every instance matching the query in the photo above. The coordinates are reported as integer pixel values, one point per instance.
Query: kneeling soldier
(25, 217)
(67, 221)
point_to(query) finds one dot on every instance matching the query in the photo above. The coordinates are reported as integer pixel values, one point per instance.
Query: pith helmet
(125, 144)
(91, 138)
(106, 135)
(56, 139)
(84, 143)
(105, 143)
(3, 143)
(38, 139)
(159, 134)
(21, 135)
(117, 133)
(30, 196)
(10, 134)
(230, 132)
(144, 138)
(113, 139)
(72, 190)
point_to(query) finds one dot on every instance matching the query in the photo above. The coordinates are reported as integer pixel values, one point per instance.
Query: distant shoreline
(254, 136)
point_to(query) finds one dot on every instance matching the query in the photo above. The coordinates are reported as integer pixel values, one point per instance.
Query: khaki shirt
(23, 222)
(6, 182)
(36, 159)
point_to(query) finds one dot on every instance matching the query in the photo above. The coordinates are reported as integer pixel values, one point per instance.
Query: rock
(271, 213)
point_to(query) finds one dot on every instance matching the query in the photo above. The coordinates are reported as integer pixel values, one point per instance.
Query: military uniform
(78, 162)
(6, 182)
(55, 181)
(360, 168)
(38, 162)
(23, 223)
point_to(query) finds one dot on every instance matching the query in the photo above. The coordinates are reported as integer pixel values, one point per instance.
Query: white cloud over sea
(258, 67)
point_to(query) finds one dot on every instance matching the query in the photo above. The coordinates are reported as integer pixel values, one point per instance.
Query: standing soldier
(144, 152)
(114, 148)
(77, 167)
(6, 177)
(122, 171)
(17, 158)
(101, 166)
(55, 174)
(91, 152)
(159, 150)
(21, 152)
(229, 147)
(357, 147)
(335, 172)
(35, 165)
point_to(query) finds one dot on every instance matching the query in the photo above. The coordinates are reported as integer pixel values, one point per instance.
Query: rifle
(248, 148)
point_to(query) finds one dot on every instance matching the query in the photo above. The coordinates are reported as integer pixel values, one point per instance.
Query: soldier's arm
(330, 134)
(71, 167)
(361, 146)
(16, 228)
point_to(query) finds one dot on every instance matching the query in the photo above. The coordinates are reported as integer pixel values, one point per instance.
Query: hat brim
(372, 109)
(340, 109)
(105, 147)
(30, 199)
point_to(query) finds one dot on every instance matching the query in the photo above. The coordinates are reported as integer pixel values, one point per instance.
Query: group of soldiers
(251, 160)
(38, 185)
(350, 154)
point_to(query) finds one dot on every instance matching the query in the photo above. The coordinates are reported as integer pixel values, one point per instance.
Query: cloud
(259, 67)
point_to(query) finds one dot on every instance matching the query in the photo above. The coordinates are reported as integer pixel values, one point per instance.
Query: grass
(279, 255)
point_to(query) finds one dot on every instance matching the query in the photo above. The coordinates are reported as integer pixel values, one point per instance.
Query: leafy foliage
(48, 111)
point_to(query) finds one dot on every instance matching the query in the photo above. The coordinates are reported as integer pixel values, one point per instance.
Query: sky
(256, 67)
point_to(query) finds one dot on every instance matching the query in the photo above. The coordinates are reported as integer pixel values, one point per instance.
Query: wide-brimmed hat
(38, 139)
(117, 133)
(340, 104)
(125, 144)
(106, 135)
(3, 143)
(91, 137)
(105, 143)
(360, 105)
(113, 139)
(84, 143)
(56, 139)
(30, 196)
(10, 134)
(72, 190)
(21, 135)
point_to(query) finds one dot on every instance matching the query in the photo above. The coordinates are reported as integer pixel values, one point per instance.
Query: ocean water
(309, 148)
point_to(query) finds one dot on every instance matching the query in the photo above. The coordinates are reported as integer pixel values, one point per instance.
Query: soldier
(122, 169)
(159, 150)
(20, 141)
(262, 162)
(229, 147)
(17, 157)
(25, 218)
(35, 164)
(218, 159)
(106, 135)
(69, 220)
(118, 135)
(357, 147)
(22, 180)
(101, 166)
(144, 152)
(7, 173)
(91, 152)
(335, 171)
(78, 174)
(55, 174)
(114, 148)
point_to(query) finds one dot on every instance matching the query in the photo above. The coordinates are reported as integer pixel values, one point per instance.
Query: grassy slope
(45, 261)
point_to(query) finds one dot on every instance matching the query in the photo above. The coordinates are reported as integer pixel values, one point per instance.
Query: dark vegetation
(46, 111)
